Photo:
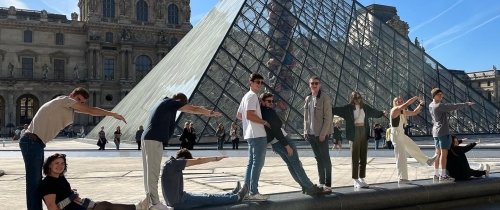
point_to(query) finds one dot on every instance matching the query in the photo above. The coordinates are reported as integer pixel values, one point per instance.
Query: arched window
(142, 11)
(108, 8)
(173, 14)
(142, 66)
(28, 36)
(27, 105)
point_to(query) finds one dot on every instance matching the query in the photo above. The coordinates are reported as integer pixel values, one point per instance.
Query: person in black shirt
(458, 166)
(58, 194)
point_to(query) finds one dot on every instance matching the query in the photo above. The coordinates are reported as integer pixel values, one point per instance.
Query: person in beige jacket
(317, 129)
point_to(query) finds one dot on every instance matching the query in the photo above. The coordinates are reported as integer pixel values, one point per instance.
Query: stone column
(98, 65)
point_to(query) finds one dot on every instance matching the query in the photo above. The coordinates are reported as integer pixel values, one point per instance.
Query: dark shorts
(442, 142)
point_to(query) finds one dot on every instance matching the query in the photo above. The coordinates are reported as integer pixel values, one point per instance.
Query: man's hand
(119, 117)
(266, 124)
(322, 138)
(289, 150)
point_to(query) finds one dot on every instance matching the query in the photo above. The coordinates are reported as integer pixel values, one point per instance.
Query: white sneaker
(160, 206)
(446, 178)
(487, 171)
(404, 181)
(257, 197)
(363, 183)
(143, 205)
(356, 183)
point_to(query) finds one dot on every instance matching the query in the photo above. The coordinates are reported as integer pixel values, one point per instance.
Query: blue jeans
(377, 142)
(256, 157)
(32, 150)
(294, 165)
(192, 200)
(322, 155)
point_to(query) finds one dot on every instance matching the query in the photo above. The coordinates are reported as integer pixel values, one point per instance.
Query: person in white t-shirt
(50, 119)
(254, 133)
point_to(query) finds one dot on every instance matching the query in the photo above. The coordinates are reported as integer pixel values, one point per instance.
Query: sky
(460, 34)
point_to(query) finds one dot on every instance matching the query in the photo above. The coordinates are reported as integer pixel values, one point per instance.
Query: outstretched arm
(96, 111)
(203, 160)
(199, 110)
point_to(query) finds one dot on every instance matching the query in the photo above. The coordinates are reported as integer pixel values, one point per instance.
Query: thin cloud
(62, 7)
(437, 16)
(465, 33)
(19, 4)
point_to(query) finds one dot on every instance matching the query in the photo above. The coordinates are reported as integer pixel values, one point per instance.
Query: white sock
(436, 172)
(443, 172)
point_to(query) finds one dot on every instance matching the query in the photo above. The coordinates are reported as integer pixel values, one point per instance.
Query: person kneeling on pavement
(458, 166)
(172, 184)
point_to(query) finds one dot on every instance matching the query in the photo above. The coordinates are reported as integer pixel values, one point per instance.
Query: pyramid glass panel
(288, 41)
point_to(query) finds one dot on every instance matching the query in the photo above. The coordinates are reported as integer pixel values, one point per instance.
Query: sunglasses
(314, 83)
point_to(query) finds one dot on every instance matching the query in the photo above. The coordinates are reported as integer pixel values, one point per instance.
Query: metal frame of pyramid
(288, 41)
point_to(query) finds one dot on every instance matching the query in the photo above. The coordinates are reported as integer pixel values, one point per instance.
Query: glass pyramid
(288, 41)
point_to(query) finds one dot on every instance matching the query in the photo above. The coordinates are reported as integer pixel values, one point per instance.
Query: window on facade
(28, 36)
(142, 66)
(109, 37)
(489, 83)
(27, 67)
(59, 69)
(142, 11)
(109, 69)
(59, 39)
(108, 8)
(173, 14)
(26, 108)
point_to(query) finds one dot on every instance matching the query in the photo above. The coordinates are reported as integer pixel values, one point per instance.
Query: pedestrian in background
(138, 135)
(117, 137)
(221, 136)
(101, 142)
(233, 134)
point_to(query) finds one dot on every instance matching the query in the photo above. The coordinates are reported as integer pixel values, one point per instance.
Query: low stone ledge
(381, 196)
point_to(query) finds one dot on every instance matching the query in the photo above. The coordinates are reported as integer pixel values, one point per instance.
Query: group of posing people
(261, 126)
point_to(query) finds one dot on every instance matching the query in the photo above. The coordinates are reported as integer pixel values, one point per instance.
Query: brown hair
(181, 97)
(80, 91)
(352, 96)
(255, 76)
(184, 153)
(265, 95)
(52, 158)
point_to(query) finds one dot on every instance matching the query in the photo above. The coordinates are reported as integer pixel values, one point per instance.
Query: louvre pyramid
(288, 41)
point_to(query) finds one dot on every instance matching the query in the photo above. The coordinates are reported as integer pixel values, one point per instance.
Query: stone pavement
(116, 176)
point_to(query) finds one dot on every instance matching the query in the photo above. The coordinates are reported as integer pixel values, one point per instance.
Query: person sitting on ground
(58, 194)
(458, 166)
(172, 184)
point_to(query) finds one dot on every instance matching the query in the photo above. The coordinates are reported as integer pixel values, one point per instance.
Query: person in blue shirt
(159, 128)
